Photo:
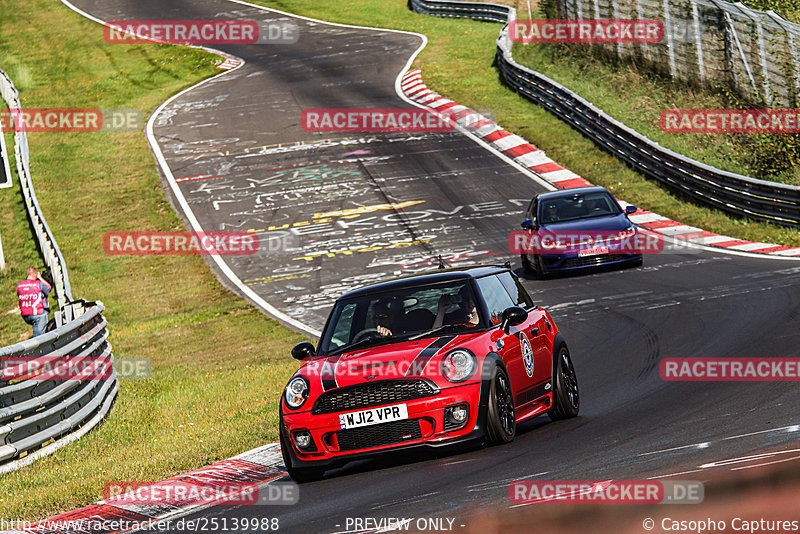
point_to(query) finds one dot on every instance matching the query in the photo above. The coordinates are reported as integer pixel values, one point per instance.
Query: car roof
(566, 193)
(427, 278)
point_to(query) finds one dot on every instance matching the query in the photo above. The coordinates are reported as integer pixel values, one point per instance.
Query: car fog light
(303, 439)
(455, 416)
(459, 414)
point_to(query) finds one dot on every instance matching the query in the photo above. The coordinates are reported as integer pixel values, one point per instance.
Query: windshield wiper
(441, 330)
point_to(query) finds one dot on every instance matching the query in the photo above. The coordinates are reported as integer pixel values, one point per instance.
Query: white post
(698, 42)
(640, 15)
(615, 8)
(6, 170)
(670, 45)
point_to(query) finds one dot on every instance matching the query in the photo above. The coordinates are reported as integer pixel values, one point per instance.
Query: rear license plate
(594, 251)
(374, 416)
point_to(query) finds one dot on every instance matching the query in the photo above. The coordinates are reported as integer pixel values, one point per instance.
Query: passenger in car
(466, 313)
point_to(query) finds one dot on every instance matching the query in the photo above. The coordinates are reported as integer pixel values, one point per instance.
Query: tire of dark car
(526, 263)
(566, 398)
(501, 423)
(298, 474)
(532, 264)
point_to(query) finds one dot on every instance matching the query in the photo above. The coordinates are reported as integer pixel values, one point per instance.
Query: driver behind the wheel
(550, 213)
(384, 319)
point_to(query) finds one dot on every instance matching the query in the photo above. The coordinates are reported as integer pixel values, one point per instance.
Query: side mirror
(630, 209)
(303, 350)
(527, 224)
(512, 317)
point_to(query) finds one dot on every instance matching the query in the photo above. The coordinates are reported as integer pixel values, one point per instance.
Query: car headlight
(458, 365)
(296, 392)
(628, 232)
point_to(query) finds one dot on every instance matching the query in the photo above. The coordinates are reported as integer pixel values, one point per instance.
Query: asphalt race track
(241, 161)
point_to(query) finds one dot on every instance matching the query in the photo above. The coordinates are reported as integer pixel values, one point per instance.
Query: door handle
(534, 332)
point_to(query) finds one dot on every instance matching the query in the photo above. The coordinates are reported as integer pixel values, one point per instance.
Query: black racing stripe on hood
(419, 363)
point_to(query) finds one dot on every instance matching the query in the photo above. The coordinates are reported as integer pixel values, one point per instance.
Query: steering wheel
(366, 332)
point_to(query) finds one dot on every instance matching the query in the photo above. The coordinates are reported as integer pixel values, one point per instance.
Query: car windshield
(578, 206)
(402, 314)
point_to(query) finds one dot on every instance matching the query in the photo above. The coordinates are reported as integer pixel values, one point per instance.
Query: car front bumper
(569, 262)
(425, 427)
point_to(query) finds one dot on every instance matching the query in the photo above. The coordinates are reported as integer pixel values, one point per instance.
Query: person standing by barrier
(32, 293)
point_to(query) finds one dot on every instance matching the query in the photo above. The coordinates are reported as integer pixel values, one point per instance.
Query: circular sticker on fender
(527, 353)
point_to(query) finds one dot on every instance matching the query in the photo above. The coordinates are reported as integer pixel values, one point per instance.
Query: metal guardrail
(5, 169)
(730, 192)
(34, 412)
(44, 237)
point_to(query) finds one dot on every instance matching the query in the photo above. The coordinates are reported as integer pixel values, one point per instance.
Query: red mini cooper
(433, 359)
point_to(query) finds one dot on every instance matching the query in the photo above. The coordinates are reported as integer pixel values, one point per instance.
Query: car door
(516, 347)
(536, 329)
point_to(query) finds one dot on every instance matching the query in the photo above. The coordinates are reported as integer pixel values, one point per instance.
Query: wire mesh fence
(709, 42)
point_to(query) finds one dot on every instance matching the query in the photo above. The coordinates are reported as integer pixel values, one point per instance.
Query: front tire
(532, 264)
(526, 264)
(298, 474)
(566, 398)
(501, 421)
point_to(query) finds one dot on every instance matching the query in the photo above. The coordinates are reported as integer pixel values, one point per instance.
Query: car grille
(378, 435)
(372, 394)
(588, 261)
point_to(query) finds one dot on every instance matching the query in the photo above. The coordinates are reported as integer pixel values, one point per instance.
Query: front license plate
(594, 251)
(374, 416)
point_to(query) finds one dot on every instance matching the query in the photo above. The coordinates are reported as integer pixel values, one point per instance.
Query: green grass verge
(219, 365)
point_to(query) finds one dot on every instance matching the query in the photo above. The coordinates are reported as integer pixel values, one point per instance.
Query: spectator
(32, 293)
